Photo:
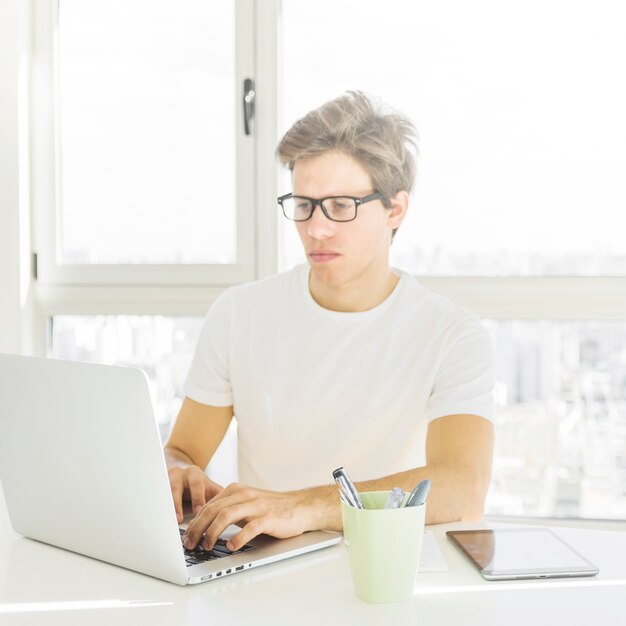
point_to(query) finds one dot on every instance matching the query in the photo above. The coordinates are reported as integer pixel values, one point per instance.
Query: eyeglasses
(335, 208)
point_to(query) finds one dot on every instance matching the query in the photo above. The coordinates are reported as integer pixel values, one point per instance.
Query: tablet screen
(521, 553)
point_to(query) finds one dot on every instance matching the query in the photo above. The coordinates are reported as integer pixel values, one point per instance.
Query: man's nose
(319, 226)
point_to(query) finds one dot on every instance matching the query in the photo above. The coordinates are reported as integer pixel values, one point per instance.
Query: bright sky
(519, 107)
(147, 118)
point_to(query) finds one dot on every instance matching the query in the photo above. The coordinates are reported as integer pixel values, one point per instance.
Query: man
(341, 362)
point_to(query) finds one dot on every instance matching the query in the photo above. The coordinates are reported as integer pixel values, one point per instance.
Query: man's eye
(340, 204)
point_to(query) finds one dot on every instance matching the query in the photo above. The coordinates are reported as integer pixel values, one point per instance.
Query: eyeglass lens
(338, 209)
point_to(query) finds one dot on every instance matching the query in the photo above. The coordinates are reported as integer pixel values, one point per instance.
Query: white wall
(16, 302)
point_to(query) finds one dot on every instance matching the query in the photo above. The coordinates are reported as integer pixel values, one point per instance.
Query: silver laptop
(82, 468)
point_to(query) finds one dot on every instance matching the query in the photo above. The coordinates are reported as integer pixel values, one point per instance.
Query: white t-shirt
(314, 389)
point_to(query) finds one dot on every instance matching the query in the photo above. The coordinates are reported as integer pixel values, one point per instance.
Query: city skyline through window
(560, 403)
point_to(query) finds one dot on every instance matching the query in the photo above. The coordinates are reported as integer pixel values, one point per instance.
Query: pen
(349, 487)
(343, 498)
(348, 495)
(340, 475)
(419, 494)
(394, 499)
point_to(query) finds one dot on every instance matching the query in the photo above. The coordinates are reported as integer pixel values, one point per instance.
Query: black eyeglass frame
(376, 195)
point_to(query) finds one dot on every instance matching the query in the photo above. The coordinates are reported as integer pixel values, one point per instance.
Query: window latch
(248, 104)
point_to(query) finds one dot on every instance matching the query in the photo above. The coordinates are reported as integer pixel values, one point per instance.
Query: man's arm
(197, 433)
(459, 451)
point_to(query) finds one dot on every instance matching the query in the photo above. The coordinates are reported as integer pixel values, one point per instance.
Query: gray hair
(384, 141)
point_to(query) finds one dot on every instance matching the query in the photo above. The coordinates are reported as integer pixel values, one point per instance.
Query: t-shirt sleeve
(465, 379)
(208, 381)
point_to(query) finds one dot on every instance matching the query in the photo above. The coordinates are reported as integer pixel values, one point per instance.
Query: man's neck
(361, 294)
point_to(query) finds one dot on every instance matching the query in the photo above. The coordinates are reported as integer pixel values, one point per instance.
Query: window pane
(520, 120)
(561, 419)
(161, 346)
(560, 394)
(147, 131)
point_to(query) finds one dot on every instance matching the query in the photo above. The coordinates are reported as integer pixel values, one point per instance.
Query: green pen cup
(384, 547)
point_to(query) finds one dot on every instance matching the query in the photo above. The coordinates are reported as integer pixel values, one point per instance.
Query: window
(150, 183)
(520, 123)
(517, 213)
(145, 181)
(147, 132)
(561, 419)
(160, 345)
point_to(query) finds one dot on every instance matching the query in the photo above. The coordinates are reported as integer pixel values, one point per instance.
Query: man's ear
(399, 206)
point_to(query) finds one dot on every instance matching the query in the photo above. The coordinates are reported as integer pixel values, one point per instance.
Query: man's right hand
(197, 433)
(189, 483)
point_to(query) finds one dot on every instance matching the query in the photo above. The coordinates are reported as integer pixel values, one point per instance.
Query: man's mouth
(323, 256)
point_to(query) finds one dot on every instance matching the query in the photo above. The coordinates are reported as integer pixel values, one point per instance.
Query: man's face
(340, 253)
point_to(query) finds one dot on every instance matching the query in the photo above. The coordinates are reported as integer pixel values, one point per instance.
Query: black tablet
(510, 554)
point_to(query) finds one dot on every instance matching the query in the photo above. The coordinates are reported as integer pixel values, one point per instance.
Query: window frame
(156, 288)
(46, 184)
(186, 289)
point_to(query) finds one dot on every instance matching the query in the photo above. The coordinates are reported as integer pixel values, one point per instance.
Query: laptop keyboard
(200, 555)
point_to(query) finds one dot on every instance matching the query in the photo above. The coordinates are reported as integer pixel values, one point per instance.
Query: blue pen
(419, 494)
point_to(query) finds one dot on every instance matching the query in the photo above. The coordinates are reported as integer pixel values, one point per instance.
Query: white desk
(40, 584)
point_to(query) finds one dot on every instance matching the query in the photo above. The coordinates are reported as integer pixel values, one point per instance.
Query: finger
(211, 489)
(226, 517)
(251, 530)
(231, 490)
(205, 518)
(195, 529)
(233, 495)
(197, 491)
